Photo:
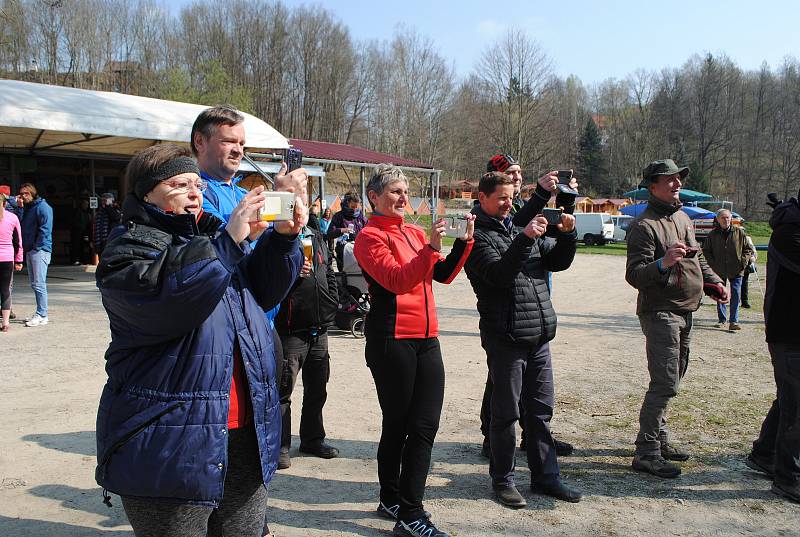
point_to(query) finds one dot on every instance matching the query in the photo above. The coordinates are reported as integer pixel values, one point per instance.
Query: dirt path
(52, 377)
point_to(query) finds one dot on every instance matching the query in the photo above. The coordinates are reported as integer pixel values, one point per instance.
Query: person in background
(402, 349)
(751, 267)
(10, 258)
(728, 253)
(188, 425)
(776, 452)
(325, 221)
(79, 232)
(302, 323)
(664, 264)
(11, 206)
(350, 219)
(108, 216)
(37, 241)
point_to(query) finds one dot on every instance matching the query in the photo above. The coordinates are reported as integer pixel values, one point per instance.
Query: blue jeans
(736, 290)
(37, 261)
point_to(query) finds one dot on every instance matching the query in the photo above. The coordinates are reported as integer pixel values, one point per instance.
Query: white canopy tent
(44, 119)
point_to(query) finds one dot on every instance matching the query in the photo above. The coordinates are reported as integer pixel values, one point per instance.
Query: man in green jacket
(664, 265)
(727, 251)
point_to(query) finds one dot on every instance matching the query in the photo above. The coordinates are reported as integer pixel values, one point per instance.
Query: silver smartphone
(278, 206)
(455, 226)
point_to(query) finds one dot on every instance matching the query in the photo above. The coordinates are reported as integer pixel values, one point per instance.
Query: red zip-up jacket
(399, 267)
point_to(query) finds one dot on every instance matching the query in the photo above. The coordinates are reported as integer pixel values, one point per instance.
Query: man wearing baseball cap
(667, 268)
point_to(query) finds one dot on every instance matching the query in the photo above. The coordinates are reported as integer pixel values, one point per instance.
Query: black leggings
(6, 277)
(409, 379)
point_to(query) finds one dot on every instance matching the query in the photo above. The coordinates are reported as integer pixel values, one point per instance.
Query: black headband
(171, 168)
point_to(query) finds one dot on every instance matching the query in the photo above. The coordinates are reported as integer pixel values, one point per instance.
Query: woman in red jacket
(402, 348)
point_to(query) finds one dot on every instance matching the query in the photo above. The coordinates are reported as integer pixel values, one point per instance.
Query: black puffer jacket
(783, 275)
(507, 271)
(313, 300)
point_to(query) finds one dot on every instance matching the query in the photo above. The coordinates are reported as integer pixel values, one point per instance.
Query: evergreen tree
(592, 168)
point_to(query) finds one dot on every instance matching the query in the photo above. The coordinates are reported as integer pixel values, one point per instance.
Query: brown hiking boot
(656, 465)
(733, 327)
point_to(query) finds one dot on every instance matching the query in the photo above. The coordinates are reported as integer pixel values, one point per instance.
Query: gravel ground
(52, 377)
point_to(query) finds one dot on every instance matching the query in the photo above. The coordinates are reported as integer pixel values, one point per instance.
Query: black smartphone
(294, 159)
(564, 177)
(553, 216)
(691, 252)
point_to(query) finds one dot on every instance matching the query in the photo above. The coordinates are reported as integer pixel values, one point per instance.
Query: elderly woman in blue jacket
(188, 428)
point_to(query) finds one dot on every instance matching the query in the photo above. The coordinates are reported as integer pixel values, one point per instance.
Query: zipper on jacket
(127, 438)
(424, 289)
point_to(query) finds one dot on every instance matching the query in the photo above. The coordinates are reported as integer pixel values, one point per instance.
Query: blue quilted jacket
(179, 296)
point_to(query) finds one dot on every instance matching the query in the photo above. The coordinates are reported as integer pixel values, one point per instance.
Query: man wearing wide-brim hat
(666, 266)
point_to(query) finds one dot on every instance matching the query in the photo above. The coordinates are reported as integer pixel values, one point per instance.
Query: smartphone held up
(564, 179)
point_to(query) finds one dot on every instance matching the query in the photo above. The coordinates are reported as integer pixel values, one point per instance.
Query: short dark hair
(211, 118)
(145, 163)
(350, 196)
(29, 186)
(490, 180)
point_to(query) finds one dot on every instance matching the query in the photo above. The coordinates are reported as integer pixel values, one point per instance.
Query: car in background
(621, 224)
(594, 228)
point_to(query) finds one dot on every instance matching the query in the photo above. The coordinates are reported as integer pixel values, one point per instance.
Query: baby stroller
(353, 291)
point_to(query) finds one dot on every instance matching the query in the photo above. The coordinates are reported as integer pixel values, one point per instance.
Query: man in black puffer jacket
(302, 323)
(507, 270)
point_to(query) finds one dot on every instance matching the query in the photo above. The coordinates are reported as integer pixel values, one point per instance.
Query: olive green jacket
(727, 252)
(680, 287)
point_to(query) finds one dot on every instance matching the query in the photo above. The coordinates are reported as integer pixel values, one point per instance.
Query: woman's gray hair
(382, 175)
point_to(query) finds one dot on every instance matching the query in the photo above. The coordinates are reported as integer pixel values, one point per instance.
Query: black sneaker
(391, 511)
(321, 450)
(284, 461)
(388, 511)
(422, 527)
(760, 464)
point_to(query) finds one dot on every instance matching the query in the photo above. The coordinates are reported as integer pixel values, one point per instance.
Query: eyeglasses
(185, 185)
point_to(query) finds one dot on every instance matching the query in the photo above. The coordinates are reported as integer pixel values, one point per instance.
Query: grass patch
(758, 229)
(617, 248)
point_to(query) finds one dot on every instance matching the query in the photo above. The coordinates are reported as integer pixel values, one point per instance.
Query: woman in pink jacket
(10, 257)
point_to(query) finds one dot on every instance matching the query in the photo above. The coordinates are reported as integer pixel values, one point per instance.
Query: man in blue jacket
(37, 241)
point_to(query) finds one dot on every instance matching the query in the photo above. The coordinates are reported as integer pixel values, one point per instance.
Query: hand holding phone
(553, 216)
(564, 179)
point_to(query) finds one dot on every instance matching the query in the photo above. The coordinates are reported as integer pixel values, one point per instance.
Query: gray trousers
(241, 512)
(667, 336)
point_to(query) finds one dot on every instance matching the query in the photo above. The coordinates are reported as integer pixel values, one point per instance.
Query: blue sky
(594, 40)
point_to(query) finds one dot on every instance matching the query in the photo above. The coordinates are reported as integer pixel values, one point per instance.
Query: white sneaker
(37, 320)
